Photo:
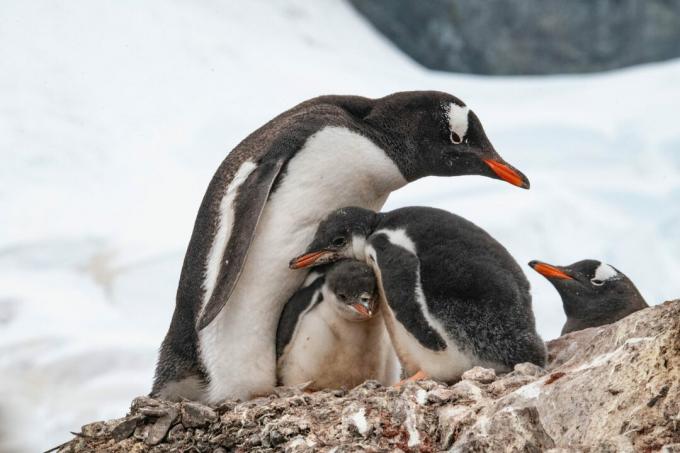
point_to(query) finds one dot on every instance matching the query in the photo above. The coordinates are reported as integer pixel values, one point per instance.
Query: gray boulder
(529, 36)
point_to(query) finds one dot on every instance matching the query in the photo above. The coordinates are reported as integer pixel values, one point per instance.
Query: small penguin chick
(332, 333)
(351, 287)
(593, 293)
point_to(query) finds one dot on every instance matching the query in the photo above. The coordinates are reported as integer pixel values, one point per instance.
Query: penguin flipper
(247, 215)
(399, 276)
(303, 300)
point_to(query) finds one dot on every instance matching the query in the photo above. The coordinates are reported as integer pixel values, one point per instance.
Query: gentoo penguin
(455, 298)
(263, 206)
(332, 333)
(593, 293)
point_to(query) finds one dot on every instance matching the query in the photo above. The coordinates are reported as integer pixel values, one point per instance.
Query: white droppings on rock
(300, 441)
(529, 391)
(637, 340)
(421, 396)
(358, 419)
(413, 434)
(600, 360)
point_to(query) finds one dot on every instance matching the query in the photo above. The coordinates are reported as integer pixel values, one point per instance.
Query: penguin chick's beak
(362, 310)
(508, 173)
(308, 259)
(549, 271)
(363, 307)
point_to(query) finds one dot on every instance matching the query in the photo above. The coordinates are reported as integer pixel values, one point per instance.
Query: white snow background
(115, 114)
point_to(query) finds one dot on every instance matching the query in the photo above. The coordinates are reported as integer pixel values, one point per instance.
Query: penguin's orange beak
(362, 310)
(307, 260)
(508, 173)
(549, 271)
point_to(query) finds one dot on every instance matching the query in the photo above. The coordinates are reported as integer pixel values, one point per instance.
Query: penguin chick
(593, 293)
(454, 296)
(331, 332)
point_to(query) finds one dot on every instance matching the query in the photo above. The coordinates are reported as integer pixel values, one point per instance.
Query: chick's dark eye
(339, 241)
(597, 282)
(455, 138)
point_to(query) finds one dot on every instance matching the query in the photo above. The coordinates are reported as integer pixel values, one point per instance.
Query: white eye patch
(604, 272)
(458, 121)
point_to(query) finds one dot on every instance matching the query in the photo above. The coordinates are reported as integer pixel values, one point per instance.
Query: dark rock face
(529, 36)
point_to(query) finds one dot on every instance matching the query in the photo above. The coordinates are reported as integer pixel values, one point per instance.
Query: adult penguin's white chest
(335, 168)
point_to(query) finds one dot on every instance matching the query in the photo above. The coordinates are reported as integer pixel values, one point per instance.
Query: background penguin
(332, 333)
(263, 206)
(593, 293)
(455, 297)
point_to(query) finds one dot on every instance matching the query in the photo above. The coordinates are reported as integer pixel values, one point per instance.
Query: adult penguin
(593, 293)
(263, 206)
(455, 298)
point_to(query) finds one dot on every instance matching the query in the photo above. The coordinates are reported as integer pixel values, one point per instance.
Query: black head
(431, 133)
(340, 235)
(354, 287)
(593, 293)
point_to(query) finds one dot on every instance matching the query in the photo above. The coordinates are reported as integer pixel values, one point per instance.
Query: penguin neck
(359, 241)
(359, 162)
(593, 312)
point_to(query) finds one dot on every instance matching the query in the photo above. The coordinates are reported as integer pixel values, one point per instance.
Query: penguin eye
(455, 138)
(597, 282)
(339, 241)
(342, 297)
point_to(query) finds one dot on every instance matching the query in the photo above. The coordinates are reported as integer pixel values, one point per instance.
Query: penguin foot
(419, 376)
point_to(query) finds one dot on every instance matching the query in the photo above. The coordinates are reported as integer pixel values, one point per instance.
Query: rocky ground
(609, 389)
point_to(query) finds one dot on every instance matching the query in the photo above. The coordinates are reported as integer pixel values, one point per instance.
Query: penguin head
(341, 234)
(431, 133)
(592, 291)
(353, 285)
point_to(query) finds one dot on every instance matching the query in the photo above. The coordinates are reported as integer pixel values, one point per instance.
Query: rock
(529, 369)
(561, 349)
(442, 395)
(195, 415)
(125, 427)
(162, 425)
(528, 36)
(614, 388)
(481, 375)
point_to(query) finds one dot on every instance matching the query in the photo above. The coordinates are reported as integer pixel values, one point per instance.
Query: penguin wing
(303, 300)
(399, 272)
(247, 214)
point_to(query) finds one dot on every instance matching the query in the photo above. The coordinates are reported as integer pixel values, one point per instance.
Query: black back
(472, 285)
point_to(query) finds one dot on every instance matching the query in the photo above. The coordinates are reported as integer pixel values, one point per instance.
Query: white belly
(335, 168)
(332, 352)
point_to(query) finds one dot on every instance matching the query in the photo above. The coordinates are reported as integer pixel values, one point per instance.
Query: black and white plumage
(331, 332)
(455, 296)
(593, 293)
(263, 205)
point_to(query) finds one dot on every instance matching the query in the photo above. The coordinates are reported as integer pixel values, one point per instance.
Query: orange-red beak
(549, 271)
(507, 173)
(362, 310)
(306, 260)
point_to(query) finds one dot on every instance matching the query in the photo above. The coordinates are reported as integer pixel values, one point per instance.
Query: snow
(114, 116)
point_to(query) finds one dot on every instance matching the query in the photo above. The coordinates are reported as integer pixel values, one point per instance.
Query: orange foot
(419, 376)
